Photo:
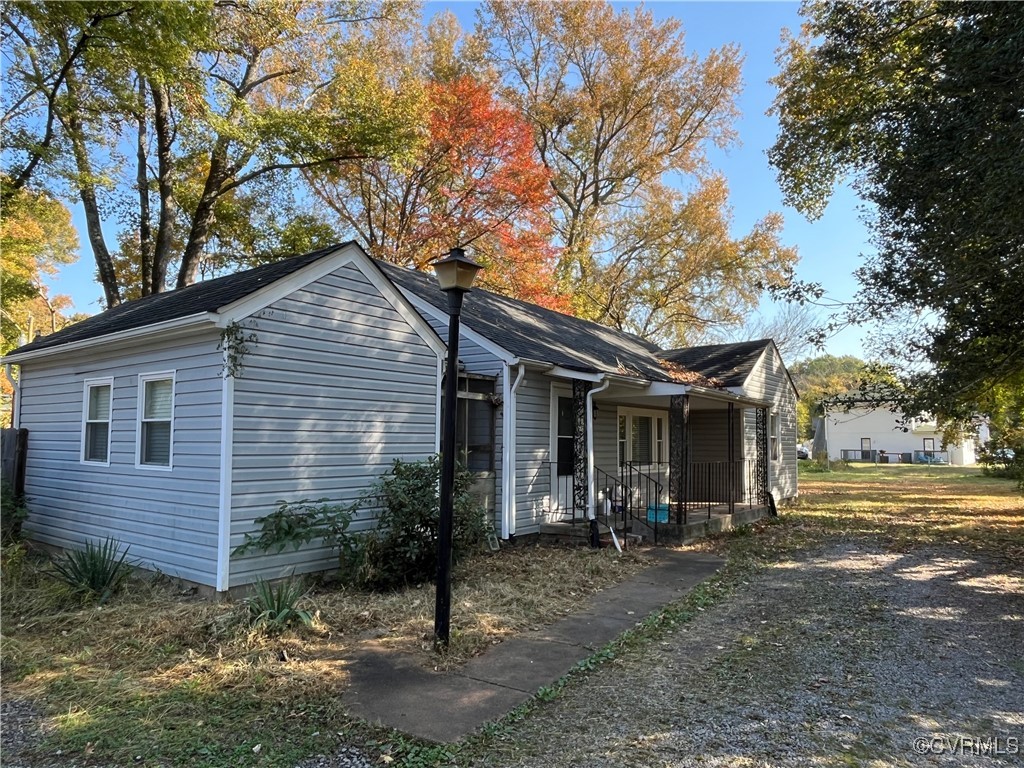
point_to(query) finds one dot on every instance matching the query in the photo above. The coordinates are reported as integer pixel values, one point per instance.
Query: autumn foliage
(476, 181)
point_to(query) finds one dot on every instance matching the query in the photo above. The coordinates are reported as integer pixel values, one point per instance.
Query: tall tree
(474, 180)
(36, 239)
(618, 108)
(819, 379)
(212, 98)
(922, 105)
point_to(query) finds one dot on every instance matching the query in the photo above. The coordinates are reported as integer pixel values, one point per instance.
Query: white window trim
(557, 390)
(654, 413)
(140, 413)
(775, 452)
(88, 384)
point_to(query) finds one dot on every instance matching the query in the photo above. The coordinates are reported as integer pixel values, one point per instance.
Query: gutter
(508, 453)
(605, 383)
(177, 324)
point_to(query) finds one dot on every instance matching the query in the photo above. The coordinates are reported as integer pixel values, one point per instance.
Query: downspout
(227, 429)
(591, 495)
(508, 453)
(16, 396)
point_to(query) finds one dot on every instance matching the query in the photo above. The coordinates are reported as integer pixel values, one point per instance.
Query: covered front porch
(667, 462)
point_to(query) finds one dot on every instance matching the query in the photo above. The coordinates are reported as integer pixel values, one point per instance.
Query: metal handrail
(645, 496)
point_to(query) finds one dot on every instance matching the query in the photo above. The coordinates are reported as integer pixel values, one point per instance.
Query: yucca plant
(99, 569)
(274, 607)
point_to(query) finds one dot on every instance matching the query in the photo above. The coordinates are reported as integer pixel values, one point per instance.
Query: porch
(635, 504)
(666, 467)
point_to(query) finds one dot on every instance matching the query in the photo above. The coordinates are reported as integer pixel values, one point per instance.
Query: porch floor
(700, 522)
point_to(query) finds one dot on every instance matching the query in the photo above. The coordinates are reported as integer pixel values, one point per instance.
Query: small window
(474, 423)
(156, 407)
(775, 437)
(642, 439)
(929, 443)
(96, 422)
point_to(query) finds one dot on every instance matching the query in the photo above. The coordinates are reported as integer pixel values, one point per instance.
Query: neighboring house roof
(532, 332)
(728, 364)
(207, 296)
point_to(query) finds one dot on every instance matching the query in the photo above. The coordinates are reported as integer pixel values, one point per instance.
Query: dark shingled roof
(535, 333)
(728, 364)
(207, 296)
(525, 330)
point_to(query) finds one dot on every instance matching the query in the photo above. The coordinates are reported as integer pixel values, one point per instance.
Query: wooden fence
(13, 450)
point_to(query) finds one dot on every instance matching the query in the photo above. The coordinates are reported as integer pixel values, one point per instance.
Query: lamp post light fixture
(455, 275)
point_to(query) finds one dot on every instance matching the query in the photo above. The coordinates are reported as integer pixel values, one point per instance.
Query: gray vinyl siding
(336, 386)
(769, 381)
(167, 518)
(476, 359)
(606, 435)
(533, 449)
(709, 434)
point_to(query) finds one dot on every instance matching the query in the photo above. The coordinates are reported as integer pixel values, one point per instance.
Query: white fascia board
(126, 338)
(729, 395)
(568, 373)
(396, 298)
(426, 308)
(668, 388)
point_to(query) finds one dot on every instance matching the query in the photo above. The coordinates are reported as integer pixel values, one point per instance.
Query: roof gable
(222, 300)
(728, 364)
(198, 298)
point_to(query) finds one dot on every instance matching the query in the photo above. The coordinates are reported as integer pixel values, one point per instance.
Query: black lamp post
(455, 275)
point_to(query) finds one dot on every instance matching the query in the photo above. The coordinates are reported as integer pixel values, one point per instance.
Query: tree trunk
(142, 182)
(163, 130)
(87, 192)
(204, 217)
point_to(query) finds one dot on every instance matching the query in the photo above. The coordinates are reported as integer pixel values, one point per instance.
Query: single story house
(174, 421)
(856, 430)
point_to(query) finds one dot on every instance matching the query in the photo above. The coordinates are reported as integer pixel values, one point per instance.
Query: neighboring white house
(879, 435)
(175, 421)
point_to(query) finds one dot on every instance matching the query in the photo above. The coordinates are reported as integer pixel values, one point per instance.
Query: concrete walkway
(392, 689)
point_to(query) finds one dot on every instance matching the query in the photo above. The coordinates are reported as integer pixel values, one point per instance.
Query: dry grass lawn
(171, 678)
(160, 678)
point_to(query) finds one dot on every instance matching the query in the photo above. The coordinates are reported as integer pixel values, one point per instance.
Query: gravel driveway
(842, 657)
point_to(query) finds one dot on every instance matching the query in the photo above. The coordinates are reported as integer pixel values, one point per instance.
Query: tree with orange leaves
(476, 181)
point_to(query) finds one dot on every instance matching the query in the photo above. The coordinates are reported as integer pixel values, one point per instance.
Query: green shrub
(1003, 459)
(402, 550)
(274, 607)
(99, 569)
(299, 522)
(12, 512)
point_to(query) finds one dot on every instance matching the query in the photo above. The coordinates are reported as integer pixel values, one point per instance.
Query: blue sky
(830, 248)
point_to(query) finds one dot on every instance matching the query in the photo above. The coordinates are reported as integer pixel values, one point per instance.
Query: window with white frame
(156, 413)
(96, 421)
(776, 437)
(641, 437)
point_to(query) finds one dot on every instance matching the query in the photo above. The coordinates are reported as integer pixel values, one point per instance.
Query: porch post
(678, 428)
(580, 491)
(730, 461)
(761, 468)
